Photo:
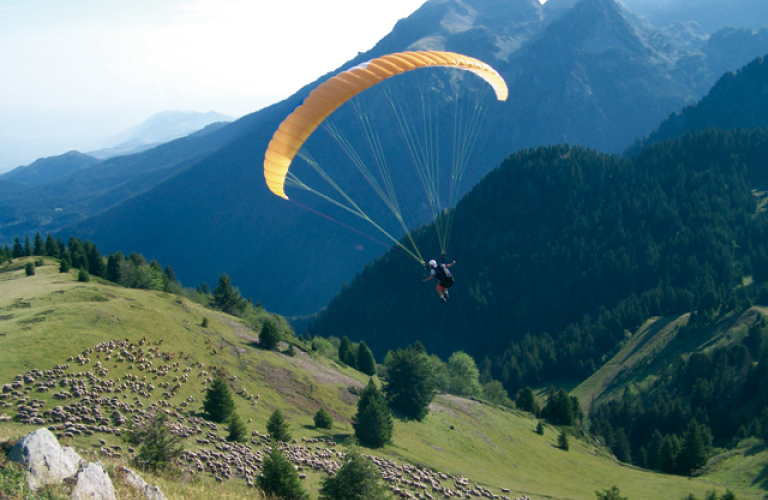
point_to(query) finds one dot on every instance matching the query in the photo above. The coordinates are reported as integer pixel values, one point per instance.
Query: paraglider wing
(337, 90)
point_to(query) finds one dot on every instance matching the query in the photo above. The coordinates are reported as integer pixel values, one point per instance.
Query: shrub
(323, 419)
(29, 269)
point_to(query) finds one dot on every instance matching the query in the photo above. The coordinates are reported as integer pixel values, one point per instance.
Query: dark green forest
(723, 392)
(562, 252)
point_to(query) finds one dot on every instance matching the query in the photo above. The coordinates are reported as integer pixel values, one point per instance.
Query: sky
(76, 73)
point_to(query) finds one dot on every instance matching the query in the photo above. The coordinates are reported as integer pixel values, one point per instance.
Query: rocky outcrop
(93, 483)
(44, 460)
(133, 480)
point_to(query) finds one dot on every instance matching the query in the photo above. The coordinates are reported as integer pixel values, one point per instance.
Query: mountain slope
(50, 169)
(560, 250)
(588, 77)
(49, 317)
(738, 100)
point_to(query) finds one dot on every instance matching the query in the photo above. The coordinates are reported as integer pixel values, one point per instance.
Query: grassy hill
(50, 318)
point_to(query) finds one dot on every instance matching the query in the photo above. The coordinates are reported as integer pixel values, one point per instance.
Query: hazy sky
(78, 71)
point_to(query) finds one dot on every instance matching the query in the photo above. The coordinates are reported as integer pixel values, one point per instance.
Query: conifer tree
(279, 478)
(373, 421)
(227, 298)
(357, 479)
(269, 336)
(540, 428)
(277, 427)
(366, 363)
(410, 384)
(562, 441)
(237, 431)
(27, 247)
(613, 494)
(39, 247)
(18, 250)
(693, 451)
(218, 403)
(29, 269)
(345, 352)
(323, 419)
(51, 247)
(668, 455)
(526, 401)
(114, 272)
(63, 266)
(159, 446)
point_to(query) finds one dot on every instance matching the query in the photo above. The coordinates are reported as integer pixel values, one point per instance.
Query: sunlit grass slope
(47, 318)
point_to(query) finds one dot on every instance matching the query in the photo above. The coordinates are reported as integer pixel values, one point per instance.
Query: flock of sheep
(104, 405)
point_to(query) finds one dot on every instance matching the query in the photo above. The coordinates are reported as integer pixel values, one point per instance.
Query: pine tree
(227, 298)
(52, 248)
(277, 427)
(63, 266)
(269, 336)
(410, 385)
(29, 269)
(526, 401)
(218, 403)
(668, 455)
(621, 447)
(345, 352)
(540, 428)
(613, 494)
(323, 419)
(693, 452)
(357, 479)
(373, 421)
(159, 446)
(366, 363)
(114, 272)
(27, 247)
(39, 246)
(654, 448)
(279, 478)
(237, 431)
(18, 250)
(562, 441)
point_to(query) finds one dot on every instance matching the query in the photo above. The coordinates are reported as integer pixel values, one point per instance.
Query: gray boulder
(44, 460)
(93, 483)
(150, 492)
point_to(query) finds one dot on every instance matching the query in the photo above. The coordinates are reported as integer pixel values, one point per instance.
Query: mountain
(712, 15)
(738, 100)
(159, 128)
(587, 76)
(50, 169)
(560, 251)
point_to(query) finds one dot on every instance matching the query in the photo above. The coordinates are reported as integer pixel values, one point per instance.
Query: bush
(83, 276)
(29, 269)
(540, 428)
(410, 384)
(323, 419)
(562, 441)
(612, 494)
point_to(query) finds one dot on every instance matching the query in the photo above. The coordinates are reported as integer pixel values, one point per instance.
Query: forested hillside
(562, 251)
(738, 100)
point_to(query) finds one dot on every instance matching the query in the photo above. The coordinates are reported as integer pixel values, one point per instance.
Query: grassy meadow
(50, 317)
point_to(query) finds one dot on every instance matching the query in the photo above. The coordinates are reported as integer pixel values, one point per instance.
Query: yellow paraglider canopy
(332, 93)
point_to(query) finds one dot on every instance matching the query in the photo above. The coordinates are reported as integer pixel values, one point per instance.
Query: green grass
(46, 318)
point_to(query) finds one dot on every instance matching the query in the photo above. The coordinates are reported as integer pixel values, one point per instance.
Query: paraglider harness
(443, 275)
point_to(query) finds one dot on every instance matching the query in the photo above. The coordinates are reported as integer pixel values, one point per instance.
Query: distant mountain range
(590, 73)
(160, 128)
